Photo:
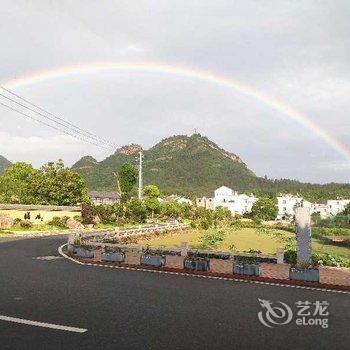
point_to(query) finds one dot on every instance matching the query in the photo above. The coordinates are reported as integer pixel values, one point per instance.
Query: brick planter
(310, 275)
(221, 266)
(132, 258)
(335, 275)
(152, 260)
(174, 261)
(276, 271)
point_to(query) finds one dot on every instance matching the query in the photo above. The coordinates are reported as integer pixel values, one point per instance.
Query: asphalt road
(127, 309)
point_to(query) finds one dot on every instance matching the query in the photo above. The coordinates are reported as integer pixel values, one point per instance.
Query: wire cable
(55, 128)
(59, 120)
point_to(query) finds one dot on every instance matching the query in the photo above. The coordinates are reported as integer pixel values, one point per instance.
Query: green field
(243, 240)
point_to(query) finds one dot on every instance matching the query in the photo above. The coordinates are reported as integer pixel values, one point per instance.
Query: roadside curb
(60, 251)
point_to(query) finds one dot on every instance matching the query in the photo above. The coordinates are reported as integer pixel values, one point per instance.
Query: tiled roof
(104, 194)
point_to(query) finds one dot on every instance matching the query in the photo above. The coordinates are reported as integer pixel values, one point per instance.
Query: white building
(179, 199)
(320, 208)
(205, 202)
(288, 202)
(336, 206)
(286, 205)
(233, 201)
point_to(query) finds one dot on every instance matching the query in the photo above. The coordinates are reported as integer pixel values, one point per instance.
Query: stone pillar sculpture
(303, 232)
(70, 243)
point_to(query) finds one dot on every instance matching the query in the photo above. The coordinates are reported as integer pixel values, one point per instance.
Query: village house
(205, 202)
(336, 206)
(232, 200)
(103, 197)
(287, 203)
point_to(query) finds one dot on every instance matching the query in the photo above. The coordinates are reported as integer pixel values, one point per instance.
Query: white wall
(336, 206)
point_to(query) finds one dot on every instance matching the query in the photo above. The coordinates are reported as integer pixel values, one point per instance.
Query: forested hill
(194, 165)
(4, 163)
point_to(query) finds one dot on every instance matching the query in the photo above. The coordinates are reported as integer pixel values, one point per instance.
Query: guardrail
(134, 231)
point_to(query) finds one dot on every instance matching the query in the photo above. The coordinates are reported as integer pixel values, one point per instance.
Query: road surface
(104, 308)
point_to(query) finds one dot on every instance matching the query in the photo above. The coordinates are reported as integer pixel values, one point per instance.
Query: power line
(59, 120)
(32, 110)
(54, 127)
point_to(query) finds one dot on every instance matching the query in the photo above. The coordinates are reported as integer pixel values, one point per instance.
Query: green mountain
(194, 165)
(4, 163)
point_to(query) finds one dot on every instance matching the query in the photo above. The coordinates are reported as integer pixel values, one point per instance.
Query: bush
(330, 260)
(58, 222)
(78, 218)
(17, 221)
(204, 224)
(26, 224)
(105, 214)
(211, 240)
(290, 257)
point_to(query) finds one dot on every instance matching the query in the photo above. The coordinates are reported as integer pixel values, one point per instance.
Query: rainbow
(190, 73)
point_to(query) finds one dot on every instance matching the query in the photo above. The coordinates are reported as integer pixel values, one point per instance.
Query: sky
(298, 52)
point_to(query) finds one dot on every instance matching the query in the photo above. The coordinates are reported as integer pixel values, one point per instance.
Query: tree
(152, 206)
(16, 183)
(346, 211)
(222, 213)
(136, 210)
(171, 209)
(127, 178)
(151, 191)
(264, 209)
(52, 184)
(57, 185)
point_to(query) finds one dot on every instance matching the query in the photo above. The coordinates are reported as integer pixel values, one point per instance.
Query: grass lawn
(321, 247)
(45, 214)
(243, 239)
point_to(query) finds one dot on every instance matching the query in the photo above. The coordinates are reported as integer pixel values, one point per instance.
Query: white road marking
(42, 324)
(48, 258)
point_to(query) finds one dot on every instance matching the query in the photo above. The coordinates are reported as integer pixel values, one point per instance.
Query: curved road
(127, 309)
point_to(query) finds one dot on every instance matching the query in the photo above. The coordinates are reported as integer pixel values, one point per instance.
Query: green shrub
(26, 224)
(211, 240)
(290, 257)
(57, 222)
(204, 224)
(17, 221)
(78, 218)
(330, 260)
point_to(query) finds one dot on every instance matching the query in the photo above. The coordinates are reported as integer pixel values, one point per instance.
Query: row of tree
(57, 185)
(52, 184)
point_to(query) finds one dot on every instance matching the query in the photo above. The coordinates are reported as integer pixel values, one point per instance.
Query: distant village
(240, 204)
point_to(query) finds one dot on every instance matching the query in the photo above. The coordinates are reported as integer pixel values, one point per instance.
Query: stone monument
(303, 232)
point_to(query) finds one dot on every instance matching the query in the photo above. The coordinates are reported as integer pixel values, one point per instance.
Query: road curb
(60, 251)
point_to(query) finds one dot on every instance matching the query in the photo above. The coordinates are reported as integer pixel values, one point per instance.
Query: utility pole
(140, 174)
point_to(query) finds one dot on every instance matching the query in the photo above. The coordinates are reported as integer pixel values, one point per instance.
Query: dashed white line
(42, 324)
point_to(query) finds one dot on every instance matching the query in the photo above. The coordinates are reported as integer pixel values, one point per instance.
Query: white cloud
(40, 150)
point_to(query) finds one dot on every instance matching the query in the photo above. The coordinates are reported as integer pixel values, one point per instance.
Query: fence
(134, 231)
